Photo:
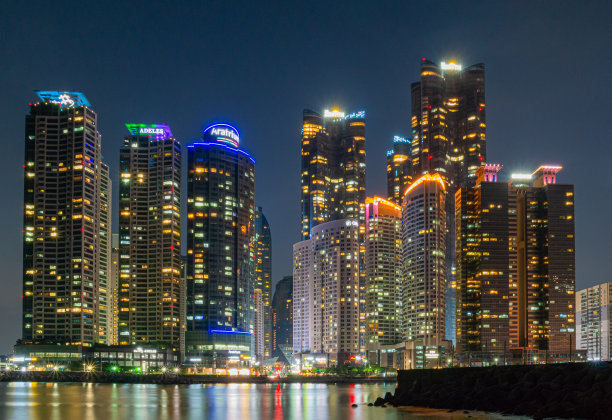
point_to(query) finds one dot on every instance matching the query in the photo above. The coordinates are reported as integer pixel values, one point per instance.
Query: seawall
(579, 390)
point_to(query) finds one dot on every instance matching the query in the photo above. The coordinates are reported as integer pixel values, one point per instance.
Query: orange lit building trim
(427, 177)
(377, 199)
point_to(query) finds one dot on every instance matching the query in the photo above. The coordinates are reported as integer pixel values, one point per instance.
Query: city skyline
(382, 128)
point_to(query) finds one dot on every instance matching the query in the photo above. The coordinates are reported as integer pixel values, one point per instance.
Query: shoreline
(170, 379)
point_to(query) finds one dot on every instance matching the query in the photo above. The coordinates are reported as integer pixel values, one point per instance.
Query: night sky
(257, 65)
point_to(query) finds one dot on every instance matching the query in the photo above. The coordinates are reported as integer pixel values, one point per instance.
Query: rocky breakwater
(572, 390)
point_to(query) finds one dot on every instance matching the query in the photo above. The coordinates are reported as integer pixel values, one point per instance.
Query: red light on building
(430, 157)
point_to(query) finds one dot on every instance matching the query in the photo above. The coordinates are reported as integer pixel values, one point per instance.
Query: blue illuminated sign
(65, 99)
(222, 133)
(359, 114)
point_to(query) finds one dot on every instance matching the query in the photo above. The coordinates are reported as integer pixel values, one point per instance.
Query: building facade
(326, 319)
(107, 331)
(333, 168)
(220, 250)
(302, 295)
(542, 263)
(150, 238)
(383, 272)
(335, 327)
(593, 310)
(66, 207)
(482, 260)
(263, 279)
(423, 260)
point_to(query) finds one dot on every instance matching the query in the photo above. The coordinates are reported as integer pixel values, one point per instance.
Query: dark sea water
(68, 401)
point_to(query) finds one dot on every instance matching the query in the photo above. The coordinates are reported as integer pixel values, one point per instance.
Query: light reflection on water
(59, 401)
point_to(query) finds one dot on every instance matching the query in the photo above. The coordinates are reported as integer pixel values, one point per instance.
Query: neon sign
(354, 115)
(156, 131)
(334, 113)
(65, 99)
(452, 66)
(222, 133)
(337, 114)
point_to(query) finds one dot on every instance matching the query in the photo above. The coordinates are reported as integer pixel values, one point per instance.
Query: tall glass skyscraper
(449, 137)
(481, 239)
(333, 168)
(399, 169)
(150, 279)
(263, 281)
(220, 250)
(66, 224)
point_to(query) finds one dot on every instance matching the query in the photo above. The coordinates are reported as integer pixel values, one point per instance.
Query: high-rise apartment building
(113, 289)
(220, 249)
(333, 168)
(150, 237)
(399, 169)
(481, 245)
(263, 280)
(449, 137)
(302, 295)
(66, 225)
(423, 260)
(326, 311)
(383, 272)
(541, 263)
(106, 332)
(593, 316)
(282, 317)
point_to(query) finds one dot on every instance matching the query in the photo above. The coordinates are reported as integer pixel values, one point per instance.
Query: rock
(354, 406)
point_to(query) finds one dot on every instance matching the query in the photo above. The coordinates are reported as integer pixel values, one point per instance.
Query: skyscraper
(481, 238)
(302, 295)
(383, 272)
(423, 259)
(593, 321)
(150, 237)
(66, 203)
(399, 169)
(449, 137)
(448, 122)
(107, 325)
(263, 279)
(282, 317)
(113, 288)
(333, 168)
(220, 249)
(542, 263)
